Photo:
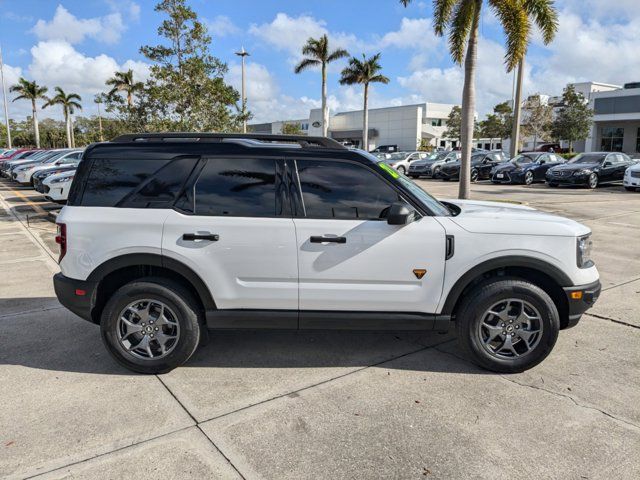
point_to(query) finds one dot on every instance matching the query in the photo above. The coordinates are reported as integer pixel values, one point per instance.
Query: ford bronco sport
(167, 235)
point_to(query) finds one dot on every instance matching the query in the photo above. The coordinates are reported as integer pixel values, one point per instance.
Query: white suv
(166, 235)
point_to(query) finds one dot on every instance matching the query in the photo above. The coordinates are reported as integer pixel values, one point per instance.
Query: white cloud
(66, 26)
(413, 33)
(221, 26)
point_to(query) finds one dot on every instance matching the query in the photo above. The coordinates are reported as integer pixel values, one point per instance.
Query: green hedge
(567, 155)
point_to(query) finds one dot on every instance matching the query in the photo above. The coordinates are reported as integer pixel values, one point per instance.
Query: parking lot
(295, 405)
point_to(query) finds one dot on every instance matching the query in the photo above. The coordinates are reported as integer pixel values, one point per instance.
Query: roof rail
(303, 141)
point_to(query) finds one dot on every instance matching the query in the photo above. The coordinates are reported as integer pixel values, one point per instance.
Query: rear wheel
(507, 325)
(402, 170)
(151, 325)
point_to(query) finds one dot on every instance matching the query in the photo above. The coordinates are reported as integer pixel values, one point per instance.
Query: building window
(436, 122)
(612, 139)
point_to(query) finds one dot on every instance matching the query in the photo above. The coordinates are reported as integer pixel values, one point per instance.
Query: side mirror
(400, 214)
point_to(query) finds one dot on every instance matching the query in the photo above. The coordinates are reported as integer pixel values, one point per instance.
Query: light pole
(243, 53)
(4, 97)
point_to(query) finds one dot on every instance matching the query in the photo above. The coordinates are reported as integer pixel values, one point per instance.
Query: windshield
(523, 159)
(438, 209)
(588, 158)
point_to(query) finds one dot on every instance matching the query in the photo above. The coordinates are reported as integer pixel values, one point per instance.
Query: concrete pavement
(321, 405)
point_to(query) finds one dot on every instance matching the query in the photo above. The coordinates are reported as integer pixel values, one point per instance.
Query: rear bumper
(69, 293)
(588, 294)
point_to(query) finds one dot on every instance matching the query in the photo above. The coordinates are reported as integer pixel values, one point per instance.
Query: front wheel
(507, 326)
(151, 325)
(474, 175)
(436, 172)
(528, 178)
(593, 181)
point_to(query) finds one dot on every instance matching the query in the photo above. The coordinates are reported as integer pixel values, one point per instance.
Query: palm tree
(461, 19)
(69, 104)
(30, 91)
(123, 82)
(364, 72)
(317, 53)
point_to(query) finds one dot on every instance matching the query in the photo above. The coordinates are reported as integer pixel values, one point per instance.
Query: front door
(235, 231)
(349, 257)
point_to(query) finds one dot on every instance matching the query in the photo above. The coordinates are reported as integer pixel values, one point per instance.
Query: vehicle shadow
(52, 338)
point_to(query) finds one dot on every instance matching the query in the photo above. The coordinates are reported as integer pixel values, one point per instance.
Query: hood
(510, 219)
(510, 167)
(575, 166)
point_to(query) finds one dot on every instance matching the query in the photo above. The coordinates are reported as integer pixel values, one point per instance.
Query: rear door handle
(322, 239)
(192, 237)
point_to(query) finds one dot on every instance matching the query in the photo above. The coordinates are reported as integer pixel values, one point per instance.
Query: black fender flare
(155, 260)
(517, 261)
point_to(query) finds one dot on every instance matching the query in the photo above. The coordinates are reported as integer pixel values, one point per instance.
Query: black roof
(167, 145)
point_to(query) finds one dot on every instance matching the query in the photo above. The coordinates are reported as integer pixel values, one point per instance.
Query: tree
(318, 53)
(364, 72)
(454, 122)
(538, 118)
(291, 129)
(27, 90)
(461, 19)
(123, 82)
(498, 124)
(573, 120)
(69, 104)
(186, 91)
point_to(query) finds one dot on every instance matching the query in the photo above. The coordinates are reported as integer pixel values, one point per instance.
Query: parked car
(526, 168)
(56, 187)
(481, 165)
(402, 160)
(11, 154)
(430, 166)
(39, 159)
(385, 149)
(590, 169)
(161, 240)
(7, 166)
(39, 176)
(24, 174)
(631, 179)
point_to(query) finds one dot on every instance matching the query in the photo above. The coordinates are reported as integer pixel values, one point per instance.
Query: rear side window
(110, 181)
(343, 190)
(243, 187)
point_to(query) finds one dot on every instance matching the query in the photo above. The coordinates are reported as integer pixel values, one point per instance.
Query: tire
(593, 181)
(528, 178)
(402, 170)
(176, 300)
(492, 293)
(435, 173)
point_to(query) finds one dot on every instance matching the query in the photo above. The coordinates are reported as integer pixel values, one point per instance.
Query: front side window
(341, 190)
(237, 188)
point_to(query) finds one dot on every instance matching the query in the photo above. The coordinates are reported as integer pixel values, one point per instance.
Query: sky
(78, 44)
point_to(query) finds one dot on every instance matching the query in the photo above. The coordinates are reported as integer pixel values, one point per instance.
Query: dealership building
(405, 126)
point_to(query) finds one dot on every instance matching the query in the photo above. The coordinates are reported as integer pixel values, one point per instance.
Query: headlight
(61, 180)
(584, 171)
(583, 251)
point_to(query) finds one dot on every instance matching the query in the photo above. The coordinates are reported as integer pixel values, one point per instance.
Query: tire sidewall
(528, 178)
(494, 292)
(178, 300)
(589, 182)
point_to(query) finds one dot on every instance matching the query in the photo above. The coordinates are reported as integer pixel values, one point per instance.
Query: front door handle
(322, 239)
(192, 237)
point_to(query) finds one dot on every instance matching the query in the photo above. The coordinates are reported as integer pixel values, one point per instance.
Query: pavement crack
(551, 392)
(621, 284)
(620, 322)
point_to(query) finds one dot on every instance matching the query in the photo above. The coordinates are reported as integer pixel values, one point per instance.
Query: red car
(17, 154)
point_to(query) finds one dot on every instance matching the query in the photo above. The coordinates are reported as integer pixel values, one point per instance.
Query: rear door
(234, 229)
(349, 257)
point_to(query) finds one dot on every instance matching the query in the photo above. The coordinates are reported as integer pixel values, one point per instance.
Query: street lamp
(4, 96)
(243, 53)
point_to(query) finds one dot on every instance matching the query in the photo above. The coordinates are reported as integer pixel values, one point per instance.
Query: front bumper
(580, 299)
(78, 296)
(569, 180)
(629, 181)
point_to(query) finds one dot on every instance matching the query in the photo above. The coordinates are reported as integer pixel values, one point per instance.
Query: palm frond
(545, 16)
(442, 11)
(337, 54)
(379, 79)
(460, 26)
(516, 24)
(306, 63)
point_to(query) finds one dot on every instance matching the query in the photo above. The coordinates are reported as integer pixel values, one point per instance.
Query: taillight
(61, 239)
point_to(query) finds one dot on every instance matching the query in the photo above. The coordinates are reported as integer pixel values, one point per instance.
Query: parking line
(36, 208)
